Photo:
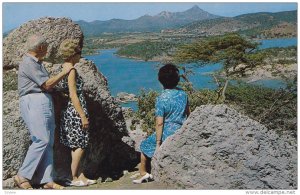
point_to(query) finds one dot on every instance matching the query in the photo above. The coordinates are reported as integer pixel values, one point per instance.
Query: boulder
(15, 136)
(111, 150)
(55, 30)
(124, 97)
(219, 148)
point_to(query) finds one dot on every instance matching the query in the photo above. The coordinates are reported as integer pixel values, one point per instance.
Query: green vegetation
(268, 19)
(91, 45)
(257, 25)
(231, 50)
(287, 55)
(146, 105)
(207, 24)
(147, 50)
(277, 109)
(10, 80)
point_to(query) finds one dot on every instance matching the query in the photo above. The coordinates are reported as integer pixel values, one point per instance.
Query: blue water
(272, 83)
(268, 43)
(128, 75)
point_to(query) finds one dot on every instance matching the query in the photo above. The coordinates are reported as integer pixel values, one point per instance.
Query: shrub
(10, 80)
(277, 109)
(146, 110)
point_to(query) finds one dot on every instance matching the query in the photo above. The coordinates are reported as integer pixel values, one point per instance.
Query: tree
(231, 50)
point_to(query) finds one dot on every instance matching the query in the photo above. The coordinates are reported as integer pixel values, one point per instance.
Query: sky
(16, 13)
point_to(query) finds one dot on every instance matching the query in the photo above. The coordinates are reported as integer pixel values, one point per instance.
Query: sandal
(143, 178)
(22, 183)
(91, 182)
(54, 186)
(78, 183)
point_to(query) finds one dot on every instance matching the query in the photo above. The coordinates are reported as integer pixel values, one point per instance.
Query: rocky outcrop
(54, 29)
(15, 136)
(134, 127)
(123, 97)
(218, 148)
(111, 150)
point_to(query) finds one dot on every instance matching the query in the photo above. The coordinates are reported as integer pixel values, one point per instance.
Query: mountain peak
(165, 14)
(195, 8)
(147, 23)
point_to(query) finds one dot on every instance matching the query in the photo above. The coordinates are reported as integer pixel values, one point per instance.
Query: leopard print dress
(71, 133)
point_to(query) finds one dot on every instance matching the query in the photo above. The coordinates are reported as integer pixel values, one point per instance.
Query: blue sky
(15, 14)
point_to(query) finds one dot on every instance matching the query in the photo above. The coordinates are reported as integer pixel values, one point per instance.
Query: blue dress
(171, 105)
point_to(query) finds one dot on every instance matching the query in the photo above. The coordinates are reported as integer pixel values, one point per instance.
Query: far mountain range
(146, 23)
(192, 20)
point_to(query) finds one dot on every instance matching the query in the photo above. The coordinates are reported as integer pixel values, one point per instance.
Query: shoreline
(277, 72)
(270, 73)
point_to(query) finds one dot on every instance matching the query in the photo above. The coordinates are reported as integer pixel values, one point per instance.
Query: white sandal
(91, 182)
(78, 183)
(146, 178)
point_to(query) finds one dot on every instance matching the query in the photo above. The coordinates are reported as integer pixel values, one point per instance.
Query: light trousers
(37, 110)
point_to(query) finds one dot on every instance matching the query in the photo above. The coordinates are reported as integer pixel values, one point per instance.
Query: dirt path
(125, 183)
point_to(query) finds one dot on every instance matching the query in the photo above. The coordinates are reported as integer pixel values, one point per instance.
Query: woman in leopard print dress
(74, 121)
(72, 134)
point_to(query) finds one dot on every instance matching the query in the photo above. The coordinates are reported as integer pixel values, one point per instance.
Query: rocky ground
(123, 183)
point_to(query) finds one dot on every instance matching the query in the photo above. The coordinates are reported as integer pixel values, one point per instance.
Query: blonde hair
(68, 48)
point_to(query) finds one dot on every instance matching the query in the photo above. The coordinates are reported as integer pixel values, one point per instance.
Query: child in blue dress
(171, 110)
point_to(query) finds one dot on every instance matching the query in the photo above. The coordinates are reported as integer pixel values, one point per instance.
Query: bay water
(131, 76)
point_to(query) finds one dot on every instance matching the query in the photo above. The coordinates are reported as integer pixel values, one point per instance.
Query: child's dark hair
(168, 76)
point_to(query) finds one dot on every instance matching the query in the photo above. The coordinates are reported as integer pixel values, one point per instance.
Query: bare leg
(76, 157)
(143, 165)
(144, 176)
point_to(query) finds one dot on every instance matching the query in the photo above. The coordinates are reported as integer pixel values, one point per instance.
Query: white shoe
(91, 182)
(78, 183)
(146, 178)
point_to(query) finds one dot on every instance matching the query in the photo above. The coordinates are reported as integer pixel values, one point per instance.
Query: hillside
(146, 23)
(249, 24)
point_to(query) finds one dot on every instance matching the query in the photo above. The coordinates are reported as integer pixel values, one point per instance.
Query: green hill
(250, 24)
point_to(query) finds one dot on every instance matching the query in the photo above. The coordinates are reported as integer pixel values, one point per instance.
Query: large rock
(124, 97)
(15, 136)
(111, 150)
(55, 30)
(218, 148)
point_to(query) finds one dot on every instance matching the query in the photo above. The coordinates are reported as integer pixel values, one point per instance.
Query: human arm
(75, 100)
(159, 123)
(51, 82)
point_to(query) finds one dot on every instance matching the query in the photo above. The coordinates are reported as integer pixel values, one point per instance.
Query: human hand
(67, 68)
(85, 123)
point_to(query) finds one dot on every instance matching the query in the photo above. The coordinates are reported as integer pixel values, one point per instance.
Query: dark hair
(168, 76)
